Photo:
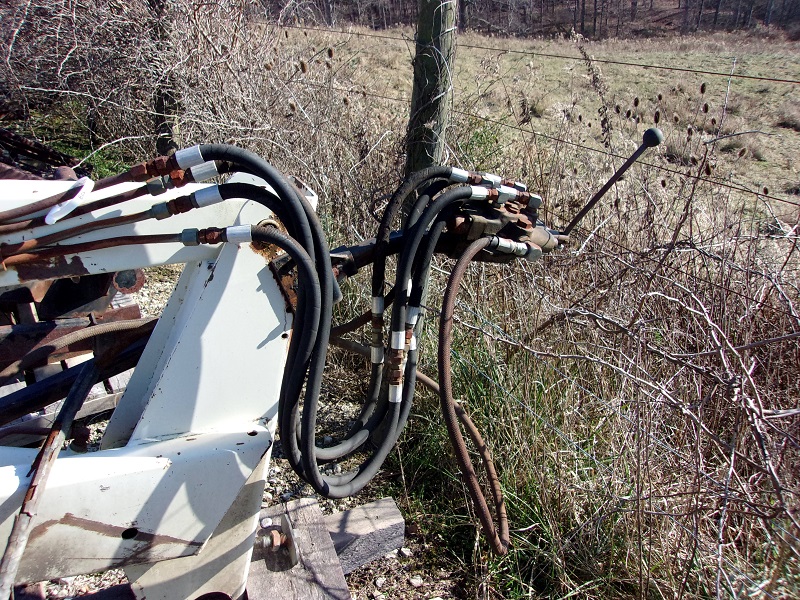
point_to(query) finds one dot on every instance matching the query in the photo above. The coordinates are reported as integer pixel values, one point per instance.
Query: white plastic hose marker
(189, 157)
(413, 344)
(61, 210)
(398, 340)
(207, 196)
(395, 393)
(239, 234)
(204, 172)
(412, 315)
(459, 175)
(376, 355)
(377, 305)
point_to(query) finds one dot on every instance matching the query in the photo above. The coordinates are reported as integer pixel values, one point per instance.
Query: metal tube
(651, 138)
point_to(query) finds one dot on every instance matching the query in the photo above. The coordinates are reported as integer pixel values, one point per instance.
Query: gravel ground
(412, 572)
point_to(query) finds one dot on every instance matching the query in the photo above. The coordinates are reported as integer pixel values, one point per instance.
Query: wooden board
(318, 574)
(365, 533)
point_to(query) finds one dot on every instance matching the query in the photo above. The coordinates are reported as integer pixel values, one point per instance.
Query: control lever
(650, 139)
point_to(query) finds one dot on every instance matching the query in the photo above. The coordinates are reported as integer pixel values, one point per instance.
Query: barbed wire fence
(639, 388)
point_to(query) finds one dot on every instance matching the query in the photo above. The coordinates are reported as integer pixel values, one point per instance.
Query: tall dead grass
(638, 389)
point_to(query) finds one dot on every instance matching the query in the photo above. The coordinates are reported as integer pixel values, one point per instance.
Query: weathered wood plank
(318, 574)
(365, 533)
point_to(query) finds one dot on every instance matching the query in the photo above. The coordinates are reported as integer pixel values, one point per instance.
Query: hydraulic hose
(450, 197)
(424, 199)
(55, 251)
(34, 243)
(39, 354)
(43, 204)
(397, 200)
(498, 538)
(258, 166)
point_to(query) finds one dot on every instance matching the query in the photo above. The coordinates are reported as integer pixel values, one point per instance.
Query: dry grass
(648, 442)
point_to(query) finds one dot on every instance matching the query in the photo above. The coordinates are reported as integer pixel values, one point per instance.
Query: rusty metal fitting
(180, 205)
(274, 540)
(164, 165)
(156, 186)
(395, 362)
(80, 439)
(139, 172)
(409, 335)
(474, 178)
(492, 195)
(128, 281)
(211, 235)
(179, 178)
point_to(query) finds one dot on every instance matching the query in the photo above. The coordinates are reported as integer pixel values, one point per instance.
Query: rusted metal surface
(286, 284)
(129, 281)
(9, 172)
(141, 544)
(51, 268)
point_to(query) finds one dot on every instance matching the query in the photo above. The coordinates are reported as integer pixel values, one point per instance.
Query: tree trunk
(430, 99)
(686, 18)
(165, 104)
(768, 16)
(583, 17)
(716, 13)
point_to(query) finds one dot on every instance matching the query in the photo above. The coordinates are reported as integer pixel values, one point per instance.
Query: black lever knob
(650, 139)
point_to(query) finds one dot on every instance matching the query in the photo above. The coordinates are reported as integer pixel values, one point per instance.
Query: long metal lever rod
(650, 139)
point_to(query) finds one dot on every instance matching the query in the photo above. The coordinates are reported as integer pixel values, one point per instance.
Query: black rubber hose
(305, 327)
(258, 166)
(498, 538)
(411, 183)
(390, 418)
(430, 192)
(316, 364)
(296, 206)
(450, 197)
(396, 414)
(257, 194)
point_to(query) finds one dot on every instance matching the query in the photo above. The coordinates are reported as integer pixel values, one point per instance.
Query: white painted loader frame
(174, 493)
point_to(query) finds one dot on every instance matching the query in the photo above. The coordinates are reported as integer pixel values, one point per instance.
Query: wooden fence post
(430, 100)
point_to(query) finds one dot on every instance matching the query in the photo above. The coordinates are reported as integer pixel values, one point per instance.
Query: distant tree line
(591, 18)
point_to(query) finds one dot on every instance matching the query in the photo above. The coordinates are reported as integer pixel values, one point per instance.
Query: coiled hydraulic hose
(498, 537)
(39, 354)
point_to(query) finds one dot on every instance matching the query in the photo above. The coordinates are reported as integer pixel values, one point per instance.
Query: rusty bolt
(274, 540)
